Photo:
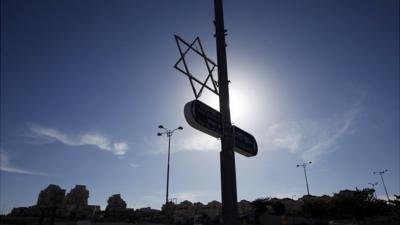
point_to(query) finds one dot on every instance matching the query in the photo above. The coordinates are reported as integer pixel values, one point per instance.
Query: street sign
(204, 118)
(208, 120)
(244, 143)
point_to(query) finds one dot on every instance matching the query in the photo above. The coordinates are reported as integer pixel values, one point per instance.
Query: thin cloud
(195, 142)
(198, 142)
(328, 139)
(310, 138)
(117, 148)
(6, 166)
(134, 165)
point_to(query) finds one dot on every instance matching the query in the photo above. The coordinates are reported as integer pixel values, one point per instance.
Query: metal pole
(227, 157)
(383, 182)
(305, 174)
(169, 134)
(384, 186)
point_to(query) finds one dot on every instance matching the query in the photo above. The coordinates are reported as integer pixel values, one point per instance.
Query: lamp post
(304, 165)
(383, 182)
(373, 187)
(168, 133)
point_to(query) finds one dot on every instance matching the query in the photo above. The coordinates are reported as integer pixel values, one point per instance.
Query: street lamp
(383, 182)
(373, 187)
(168, 133)
(305, 174)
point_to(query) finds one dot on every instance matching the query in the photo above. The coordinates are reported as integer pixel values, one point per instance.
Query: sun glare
(249, 92)
(239, 103)
(242, 103)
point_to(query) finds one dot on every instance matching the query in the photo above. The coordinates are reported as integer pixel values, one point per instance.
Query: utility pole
(227, 157)
(383, 182)
(304, 165)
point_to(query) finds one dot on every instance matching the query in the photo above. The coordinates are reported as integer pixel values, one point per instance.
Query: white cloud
(94, 139)
(50, 133)
(134, 165)
(198, 142)
(310, 138)
(195, 142)
(120, 148)
(100, 141)
(5, 166)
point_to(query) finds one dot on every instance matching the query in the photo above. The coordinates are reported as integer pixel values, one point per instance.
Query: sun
(241, 103)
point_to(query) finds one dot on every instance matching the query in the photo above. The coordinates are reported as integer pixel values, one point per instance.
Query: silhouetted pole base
(228, 188)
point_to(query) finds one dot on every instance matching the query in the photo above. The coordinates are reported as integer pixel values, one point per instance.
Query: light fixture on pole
(304, 165)
(168, 133)
(383, 182)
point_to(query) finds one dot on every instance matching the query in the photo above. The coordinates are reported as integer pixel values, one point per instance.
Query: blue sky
(84, 85)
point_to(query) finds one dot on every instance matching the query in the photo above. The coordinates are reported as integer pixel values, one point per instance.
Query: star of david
(184, 47)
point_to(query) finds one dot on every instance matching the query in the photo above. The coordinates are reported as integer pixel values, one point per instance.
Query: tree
(358, 204)
(396, 203)
(279, 208)
(260, 207)
(316, 207)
